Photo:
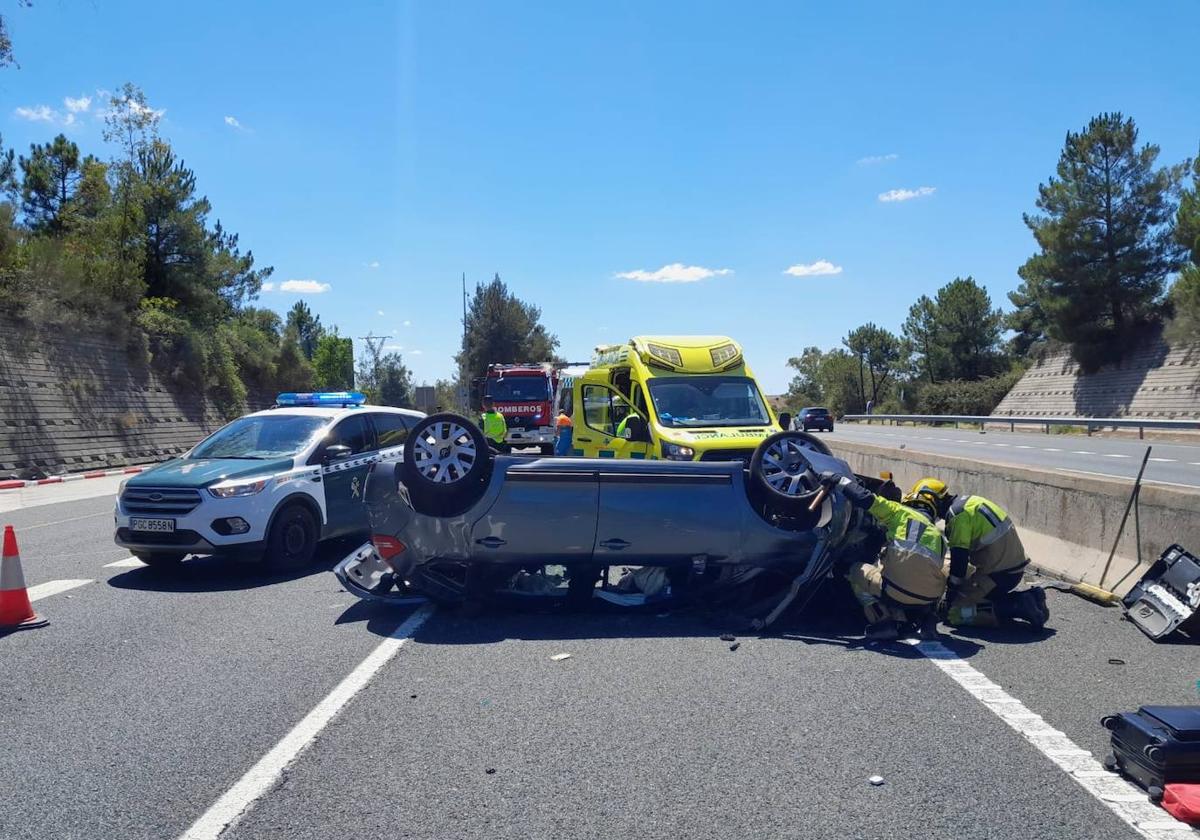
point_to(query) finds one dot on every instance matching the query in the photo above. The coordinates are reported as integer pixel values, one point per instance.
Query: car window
(261, 436)
(390, 429)
(351, 432)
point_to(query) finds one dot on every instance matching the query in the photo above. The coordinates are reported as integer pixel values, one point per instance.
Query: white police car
(269, 485)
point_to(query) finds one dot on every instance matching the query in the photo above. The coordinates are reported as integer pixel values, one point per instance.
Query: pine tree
(1106, 240)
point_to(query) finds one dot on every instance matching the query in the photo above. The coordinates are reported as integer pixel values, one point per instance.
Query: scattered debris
(412, 697)
(1167, 598)
(559, 657)
(876, 780)
(1116, 662)
(728, 637)
(491, 771)
(735, 645)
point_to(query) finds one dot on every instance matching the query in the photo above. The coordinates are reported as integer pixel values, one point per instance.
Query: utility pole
(463, 386)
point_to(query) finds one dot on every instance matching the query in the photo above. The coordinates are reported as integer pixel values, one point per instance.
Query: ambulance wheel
(446, 463)
(159, 559)
(292, 540)
(781, 470)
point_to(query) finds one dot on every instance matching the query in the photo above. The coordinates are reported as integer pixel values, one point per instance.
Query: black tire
(292, 540)
(159, 559)
(781, 471)
(442, 482)
(547, 450)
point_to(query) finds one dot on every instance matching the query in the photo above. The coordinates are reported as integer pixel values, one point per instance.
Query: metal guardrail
(1089, 423)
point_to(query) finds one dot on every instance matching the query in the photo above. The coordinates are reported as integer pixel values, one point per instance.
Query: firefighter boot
(1028, 605)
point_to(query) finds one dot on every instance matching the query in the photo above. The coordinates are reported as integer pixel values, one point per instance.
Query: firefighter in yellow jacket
(987, 561)
(495, 427)
(909, 579)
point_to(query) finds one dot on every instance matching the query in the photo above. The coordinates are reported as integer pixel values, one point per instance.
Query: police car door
(345, 477)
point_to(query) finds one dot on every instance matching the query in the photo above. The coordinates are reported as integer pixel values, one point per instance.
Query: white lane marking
(1164, 460)
(1021, 446)
(260, 778)
(1114, 455)
(54, 587)
(127, 563)
(1001, 444)
(1127, 478)
(1121, 797)
(1081, 452)
(62, 521)
(1050, 449)
(1194, 463)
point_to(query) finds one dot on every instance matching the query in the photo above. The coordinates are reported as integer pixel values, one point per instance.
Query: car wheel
(446, 463)
(159, 559)
(781, 469)
(292, 540)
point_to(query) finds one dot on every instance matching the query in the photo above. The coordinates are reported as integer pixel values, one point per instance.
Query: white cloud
(674, 273)
(308, 287)
(820, 268)
(907, 195)
(268, 287)
(416, 352)
(38, 113)
(373, 264)
(408, 323)
(871, 160)
(76, 106)
(379, 312)
(393, 347)
(232, 122)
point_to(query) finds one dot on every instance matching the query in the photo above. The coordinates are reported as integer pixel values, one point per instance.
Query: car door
(543, 514)
(603, 411)
(344, 478)
(662, 512)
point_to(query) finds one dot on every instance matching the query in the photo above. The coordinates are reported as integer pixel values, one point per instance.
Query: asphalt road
(1173, 464)
(150, 696)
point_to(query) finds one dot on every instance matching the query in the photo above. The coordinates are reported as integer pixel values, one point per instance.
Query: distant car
(815, 419)
(268, 486)
(451, 512)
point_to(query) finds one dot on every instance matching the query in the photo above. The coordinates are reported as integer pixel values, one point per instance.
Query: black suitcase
(1167, 598)
(1156, 745)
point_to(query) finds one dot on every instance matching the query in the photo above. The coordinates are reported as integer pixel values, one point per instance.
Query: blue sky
(380, 150)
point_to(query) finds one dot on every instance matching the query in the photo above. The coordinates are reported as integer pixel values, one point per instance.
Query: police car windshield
(519, 389)
(264, 436)
(704, 401)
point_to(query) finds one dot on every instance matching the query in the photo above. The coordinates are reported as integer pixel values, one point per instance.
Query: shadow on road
(216, 574)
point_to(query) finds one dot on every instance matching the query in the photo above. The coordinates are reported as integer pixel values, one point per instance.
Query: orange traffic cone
(16, 613)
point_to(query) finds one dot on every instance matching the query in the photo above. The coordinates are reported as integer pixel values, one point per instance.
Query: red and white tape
(18, 484)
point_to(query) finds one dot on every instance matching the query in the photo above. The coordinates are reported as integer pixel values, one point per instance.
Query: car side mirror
(636, 430)
(785, 420)
(336, 451)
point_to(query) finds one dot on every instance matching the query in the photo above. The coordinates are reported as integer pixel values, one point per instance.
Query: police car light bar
(322, 398)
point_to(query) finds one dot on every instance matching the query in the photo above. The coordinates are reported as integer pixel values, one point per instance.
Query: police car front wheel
(292, 541)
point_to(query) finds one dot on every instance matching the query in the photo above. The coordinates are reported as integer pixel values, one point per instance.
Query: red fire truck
(524, 394)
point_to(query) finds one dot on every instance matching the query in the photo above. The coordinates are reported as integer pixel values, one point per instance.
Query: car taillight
(388, 547)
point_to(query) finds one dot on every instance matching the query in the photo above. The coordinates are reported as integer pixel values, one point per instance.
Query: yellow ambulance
(681, 398)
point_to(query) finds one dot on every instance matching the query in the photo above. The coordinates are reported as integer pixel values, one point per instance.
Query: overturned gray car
(458, 523)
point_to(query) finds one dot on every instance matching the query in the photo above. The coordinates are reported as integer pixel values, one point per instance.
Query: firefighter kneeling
(987, 561)
(909, 580)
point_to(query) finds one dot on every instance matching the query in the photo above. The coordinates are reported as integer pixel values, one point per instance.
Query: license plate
(161, 526)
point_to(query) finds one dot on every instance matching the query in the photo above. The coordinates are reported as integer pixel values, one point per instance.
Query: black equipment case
(1167, 598)
(1156, 745)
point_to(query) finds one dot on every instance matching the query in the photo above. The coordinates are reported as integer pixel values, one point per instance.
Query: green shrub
(971, 398)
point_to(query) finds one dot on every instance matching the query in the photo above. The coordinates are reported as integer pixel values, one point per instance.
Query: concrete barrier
(1067, 521)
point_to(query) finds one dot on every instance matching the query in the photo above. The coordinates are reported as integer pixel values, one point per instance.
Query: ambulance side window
(391, 429)
(639, 400)
(597, 409)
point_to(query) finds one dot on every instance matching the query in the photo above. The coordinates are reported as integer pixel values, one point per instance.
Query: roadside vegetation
(1118, 261)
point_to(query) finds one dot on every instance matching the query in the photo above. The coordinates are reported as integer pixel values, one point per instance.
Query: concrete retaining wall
(72, 402)
(1067, 522)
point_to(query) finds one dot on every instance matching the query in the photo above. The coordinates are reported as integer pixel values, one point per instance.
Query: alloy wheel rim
(445, 452)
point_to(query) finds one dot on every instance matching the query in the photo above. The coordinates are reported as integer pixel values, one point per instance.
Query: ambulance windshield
(706, 401)
(261, 436)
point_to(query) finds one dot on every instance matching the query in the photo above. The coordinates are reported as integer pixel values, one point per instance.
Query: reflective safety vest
(974, 522)
(563, 420)
(913, 563)
(494, 426)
